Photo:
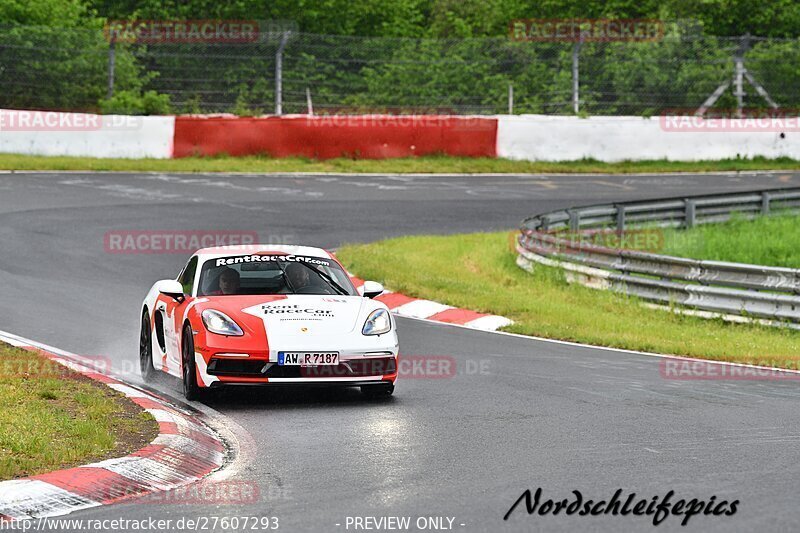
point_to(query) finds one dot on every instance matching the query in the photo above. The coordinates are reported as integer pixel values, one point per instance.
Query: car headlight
(377, 323)
(220, 323)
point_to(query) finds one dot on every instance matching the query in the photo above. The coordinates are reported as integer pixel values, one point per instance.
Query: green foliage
(416, 55)
(768, 241)
(242, 108)
(135, 103)
(57, 68)
(56, 13)
(461, 18)
(53, 418)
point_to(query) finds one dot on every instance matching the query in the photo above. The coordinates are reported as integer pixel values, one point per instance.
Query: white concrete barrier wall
(79, 134)
(559, 138)
(525, 137)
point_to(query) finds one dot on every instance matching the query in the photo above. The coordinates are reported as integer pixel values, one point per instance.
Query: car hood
(299, 314)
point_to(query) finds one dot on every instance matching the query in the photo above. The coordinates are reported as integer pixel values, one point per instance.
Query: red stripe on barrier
(325, 137)
(456, 316)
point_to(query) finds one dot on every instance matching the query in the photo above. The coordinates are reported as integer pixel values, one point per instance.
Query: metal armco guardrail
(768, 294)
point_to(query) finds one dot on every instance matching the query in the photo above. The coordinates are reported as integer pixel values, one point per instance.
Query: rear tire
(146, 351)
(191, 390)
(384, 390)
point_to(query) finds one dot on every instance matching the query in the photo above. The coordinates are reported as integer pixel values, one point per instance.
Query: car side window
(187, 276)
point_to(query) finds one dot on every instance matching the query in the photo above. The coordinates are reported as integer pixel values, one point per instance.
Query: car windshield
(273, 274)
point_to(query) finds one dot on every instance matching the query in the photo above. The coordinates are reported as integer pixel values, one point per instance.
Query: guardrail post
(574, 220)
(544, 225)
(620, 218)
(691, 213)
(765, 198)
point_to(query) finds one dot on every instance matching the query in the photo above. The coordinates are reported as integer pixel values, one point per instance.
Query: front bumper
(371, 360)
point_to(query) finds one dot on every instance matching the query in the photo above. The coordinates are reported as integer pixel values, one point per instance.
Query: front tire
(191, 390)
(384, 390)
(146, 351)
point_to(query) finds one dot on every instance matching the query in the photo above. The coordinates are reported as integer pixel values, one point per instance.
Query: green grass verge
(54, 418)
(429, 164)
(477, 271)
(763, 241)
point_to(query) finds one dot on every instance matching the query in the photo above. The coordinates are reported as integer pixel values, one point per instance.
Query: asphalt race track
(519, 414)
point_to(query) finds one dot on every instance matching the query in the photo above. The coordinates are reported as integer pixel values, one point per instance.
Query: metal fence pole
(576, 57)
(576, 50)
(510, 99)
(112, 59)
(738, 79)
(309, 104)
(279, 73)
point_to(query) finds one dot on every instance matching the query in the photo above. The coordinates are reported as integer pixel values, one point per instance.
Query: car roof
(249, 249)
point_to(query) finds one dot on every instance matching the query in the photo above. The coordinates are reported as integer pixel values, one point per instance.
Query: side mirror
(372, 289)
(171, 288)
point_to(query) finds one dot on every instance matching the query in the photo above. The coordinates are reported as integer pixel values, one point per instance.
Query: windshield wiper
(338, 288)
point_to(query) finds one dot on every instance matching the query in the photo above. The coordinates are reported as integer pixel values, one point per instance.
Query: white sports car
(268, 315)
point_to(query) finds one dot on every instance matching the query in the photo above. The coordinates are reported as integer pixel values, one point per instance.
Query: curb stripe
(31, 498)
(406, 306)
(101, 486)
(456, 316)
(184, 451)
(394, 299)
(421, 308)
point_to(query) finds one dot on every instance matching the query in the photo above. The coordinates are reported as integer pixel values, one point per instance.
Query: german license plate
(308, 358)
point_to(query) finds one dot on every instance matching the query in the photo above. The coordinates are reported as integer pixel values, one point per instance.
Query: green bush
(135, 103)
